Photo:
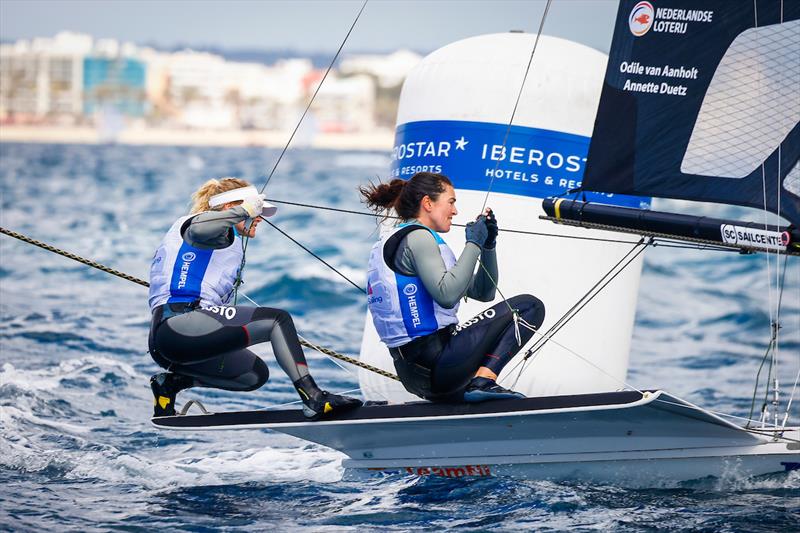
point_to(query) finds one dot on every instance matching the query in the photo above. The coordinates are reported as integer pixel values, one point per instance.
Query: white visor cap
(242, 193)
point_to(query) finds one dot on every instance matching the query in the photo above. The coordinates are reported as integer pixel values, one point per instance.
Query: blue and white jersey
(181, 272)
(402, 309)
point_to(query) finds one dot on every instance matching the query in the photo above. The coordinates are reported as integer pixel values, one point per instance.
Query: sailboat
(698, 103)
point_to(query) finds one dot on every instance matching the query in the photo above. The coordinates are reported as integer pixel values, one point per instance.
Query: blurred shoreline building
(73, 79)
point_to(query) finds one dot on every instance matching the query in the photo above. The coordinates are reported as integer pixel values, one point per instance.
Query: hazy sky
(306, 25)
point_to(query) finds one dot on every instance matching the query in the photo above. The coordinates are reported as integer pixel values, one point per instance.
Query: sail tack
(702, 107)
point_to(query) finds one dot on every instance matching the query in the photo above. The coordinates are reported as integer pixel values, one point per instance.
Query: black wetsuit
(210, 344)
(439, 366)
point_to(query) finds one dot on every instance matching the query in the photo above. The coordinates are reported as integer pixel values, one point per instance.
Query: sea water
(77, 451)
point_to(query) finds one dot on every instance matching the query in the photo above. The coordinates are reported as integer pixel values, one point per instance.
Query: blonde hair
(210, 188)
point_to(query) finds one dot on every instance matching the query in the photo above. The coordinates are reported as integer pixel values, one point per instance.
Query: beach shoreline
(377, 140)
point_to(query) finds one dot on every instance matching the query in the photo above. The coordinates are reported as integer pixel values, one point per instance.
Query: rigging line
(595, 289)
(311, 101)
(791, 397)
(339, 356)
(660, 241)
(238, 281)
(772, 371)
(773, 346)
(351, 282)
(128, 277)
(726, 415)
(74, 257)
(305, 111)
(778, 281)
(758, 379)
(516, 104)
(590, 363)
(548, 335)
(773, 325)
(533, 351)
(332, 359)
(766, 228)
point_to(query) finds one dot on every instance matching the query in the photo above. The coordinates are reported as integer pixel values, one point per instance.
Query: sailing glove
(491, 226)
(253, 205)
(477, 231)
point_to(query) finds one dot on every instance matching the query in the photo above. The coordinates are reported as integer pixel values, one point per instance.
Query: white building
(43, 78)
(198, 89)
(345, 104)
(389, 70)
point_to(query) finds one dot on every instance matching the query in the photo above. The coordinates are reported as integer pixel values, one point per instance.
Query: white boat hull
(650, 439)
(643, 468)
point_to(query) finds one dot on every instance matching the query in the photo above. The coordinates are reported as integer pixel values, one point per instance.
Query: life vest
(402, 309)
(181, 272)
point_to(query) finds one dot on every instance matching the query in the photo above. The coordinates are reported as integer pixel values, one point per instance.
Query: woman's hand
(491, 226)
(477, 232)
(253, 205)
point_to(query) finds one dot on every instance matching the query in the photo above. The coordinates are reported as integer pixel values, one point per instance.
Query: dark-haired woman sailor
(415, 283)
(199, 339)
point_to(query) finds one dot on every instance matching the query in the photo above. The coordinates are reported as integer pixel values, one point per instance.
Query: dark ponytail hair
(405, 196)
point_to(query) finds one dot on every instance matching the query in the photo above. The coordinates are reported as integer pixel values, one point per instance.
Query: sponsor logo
(641, 18)
(410, 290)
(487, 315)
(754, 238)
(187, 258)
(372, 299)
(451, 471)
(221, 310)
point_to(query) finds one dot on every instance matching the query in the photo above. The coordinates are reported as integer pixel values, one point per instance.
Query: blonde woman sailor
(195, 335)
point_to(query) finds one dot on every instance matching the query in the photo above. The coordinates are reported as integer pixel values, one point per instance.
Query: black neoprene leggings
(210, 345)
(488, 339)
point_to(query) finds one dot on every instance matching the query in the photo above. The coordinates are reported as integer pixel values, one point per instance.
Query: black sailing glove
(477, 231)
(491, 226)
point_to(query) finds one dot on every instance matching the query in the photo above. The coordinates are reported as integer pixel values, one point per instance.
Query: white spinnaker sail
(460, 92)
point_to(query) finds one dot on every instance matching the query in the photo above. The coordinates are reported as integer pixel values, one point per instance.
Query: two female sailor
(195, 335)
(415, 283)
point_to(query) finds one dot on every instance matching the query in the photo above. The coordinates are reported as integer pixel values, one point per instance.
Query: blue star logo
(461, 144)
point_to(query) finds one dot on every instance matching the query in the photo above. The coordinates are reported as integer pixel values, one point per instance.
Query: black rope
(516, 103)
(311, 101)
(773, 341)
(561, 322)
(665, 243)
(74, 257)
(588, 296)
(297, 127)
(315, 255)
(144, 283)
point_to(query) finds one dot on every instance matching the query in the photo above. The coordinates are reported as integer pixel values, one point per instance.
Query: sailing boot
(165, 387)
(318, 404)
(484, 389)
